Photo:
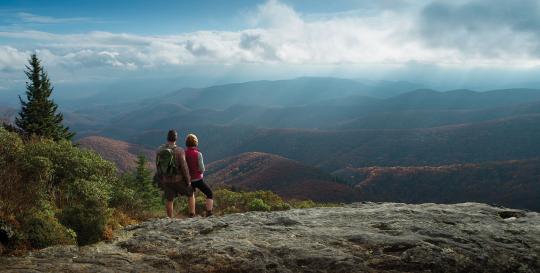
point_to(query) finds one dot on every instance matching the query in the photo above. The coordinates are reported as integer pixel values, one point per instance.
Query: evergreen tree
(142, 174)
(147, 192)
(38, 115)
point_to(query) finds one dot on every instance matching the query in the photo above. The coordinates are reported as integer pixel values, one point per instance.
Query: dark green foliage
(137, 191)
(44, 231)
(87, 219)
(146, 189)
(38, 115)
(257, 204)
(70, 163)
(41, 177)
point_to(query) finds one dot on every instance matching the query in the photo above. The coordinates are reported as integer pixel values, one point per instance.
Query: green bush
(227, 201)
(69, 163)
(87, 219)
(44, 231)
(258, 205)
(302, 204)
(11, 146)
(93, 189)
(135, 192)
(123, 196)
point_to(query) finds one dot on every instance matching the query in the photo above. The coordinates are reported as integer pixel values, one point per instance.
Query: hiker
(173, 174)
(195, 163)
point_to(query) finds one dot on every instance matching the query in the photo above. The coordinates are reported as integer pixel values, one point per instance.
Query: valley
(337, 140)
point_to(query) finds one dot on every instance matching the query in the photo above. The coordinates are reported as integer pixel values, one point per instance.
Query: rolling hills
(494, 140)
(503, 139)
(123, 154)
(287, 178)
(408, 110)
(513, 183)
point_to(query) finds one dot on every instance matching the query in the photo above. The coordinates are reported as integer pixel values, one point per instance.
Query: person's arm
(184, 170)
(201, 162)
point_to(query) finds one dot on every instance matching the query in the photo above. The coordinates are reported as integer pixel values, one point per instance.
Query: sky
(478, 44)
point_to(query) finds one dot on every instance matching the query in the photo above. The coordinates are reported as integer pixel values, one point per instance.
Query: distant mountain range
(326, 125)
(336, 125)
(299, 91)
(249, 104)
(502, 139)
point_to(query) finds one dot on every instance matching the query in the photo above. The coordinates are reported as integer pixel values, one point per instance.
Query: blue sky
(446, 44)
(150, 17)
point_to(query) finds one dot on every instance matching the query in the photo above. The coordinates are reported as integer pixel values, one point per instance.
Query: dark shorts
(202, 187)
(171, 190)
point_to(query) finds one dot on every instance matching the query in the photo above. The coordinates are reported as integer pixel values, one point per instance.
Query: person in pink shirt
(195, 162)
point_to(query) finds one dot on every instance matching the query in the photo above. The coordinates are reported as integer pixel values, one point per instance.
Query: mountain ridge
(511, 183)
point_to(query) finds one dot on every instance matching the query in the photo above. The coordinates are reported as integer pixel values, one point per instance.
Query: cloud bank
(473, 33)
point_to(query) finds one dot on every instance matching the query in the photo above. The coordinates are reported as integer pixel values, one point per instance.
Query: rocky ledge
(367, 237)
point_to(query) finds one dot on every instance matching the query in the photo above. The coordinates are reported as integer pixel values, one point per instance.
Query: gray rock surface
(369, 237)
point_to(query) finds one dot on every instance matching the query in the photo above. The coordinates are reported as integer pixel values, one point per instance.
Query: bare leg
(169, 207)
(209, 204)
(191, 205)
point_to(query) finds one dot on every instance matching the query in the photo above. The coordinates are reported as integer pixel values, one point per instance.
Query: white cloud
(33, 18)
(279, 34)
(11, 58)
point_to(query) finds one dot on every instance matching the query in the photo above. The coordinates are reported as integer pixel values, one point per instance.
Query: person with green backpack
(172, 174)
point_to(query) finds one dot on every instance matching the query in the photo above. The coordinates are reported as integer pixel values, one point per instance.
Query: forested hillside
(287, 178)
(508, 183)
(123, 154)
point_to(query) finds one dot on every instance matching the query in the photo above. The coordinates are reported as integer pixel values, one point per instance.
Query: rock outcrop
(368, 237)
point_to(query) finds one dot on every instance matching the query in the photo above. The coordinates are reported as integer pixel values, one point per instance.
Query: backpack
(166, 162)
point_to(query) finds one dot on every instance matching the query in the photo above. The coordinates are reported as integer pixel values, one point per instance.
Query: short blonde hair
(191, 140)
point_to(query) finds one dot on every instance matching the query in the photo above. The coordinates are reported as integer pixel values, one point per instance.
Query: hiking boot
(191, 215)
(209, 213)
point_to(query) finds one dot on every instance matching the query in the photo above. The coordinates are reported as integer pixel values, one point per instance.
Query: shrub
(87, 219)
(43, 231)
(122, 195)
(14, 192)
(302, 204)
(258, 205)
(136, 192)
(227, 201)
(93, 189)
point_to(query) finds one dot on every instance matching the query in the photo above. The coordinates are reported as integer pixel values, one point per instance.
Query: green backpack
(166, 163)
